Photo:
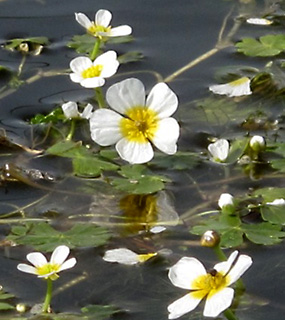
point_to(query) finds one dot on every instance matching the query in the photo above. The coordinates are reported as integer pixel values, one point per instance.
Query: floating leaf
(266, 46)
(273, 214)
(138, 180)
(82, 43)
(131, 56)
(99, 312)
(270, 194)
(237, 149)
(80, 235)
(178, 161)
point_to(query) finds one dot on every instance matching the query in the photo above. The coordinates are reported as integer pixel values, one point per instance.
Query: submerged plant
(48, 270)
(190, 274)
(137, 122)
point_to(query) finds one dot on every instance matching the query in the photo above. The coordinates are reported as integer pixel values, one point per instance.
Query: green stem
(72, 130)
(47, 301)
(95, 50)
(219, 253)
(229, 314)
(100, 98)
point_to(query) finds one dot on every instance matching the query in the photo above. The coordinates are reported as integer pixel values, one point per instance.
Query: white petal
(59, 255)
(109, 62)
(225, 266)
(235, 88)
(277, 202)
(125, 94)
(104, 126)
(70, 109)
(120, 31)
(103, 18)
(218, 302)
(242, 264)
(134, 152)
(80, 64)
(92, 82)
(166, 136)
(121, 255)
(183, 305)
(70, 263)
(225, 199)
(87, 112)
(219, 149)
(76, 77)
(185, 271)
(162, 100)
(37, 259)
(259, 21)
(83, 20)
(26, 268)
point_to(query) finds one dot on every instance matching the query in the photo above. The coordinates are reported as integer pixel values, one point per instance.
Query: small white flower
(70, 110)
(92, 74)
(225, 200)
(237, 88)
(101, 26)
(277, 202)
(126, 256)
(219, 150)
(257, 143)
(138, 122)
(44, 269)
(259, 21)
(190, 274)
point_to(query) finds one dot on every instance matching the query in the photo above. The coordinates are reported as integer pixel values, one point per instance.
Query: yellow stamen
(238, 82)
(92, 72)
(94, 29)
(145, 257)
(47, 269)
(140, 125)
(209, 284)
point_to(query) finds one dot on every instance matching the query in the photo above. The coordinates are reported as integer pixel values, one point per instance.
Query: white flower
(101, 26)
(44, 269)
(225, 199)
(276, 202)
(257, 143)
(126, 256)
(91, 74)
(70, 110)
(259, 21)
(237, 88)
(138, 122)
(190, 274)
(219, 150)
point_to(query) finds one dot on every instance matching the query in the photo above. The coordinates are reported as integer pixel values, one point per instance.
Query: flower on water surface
(92, 74)
(189, 273)
(259, 21)
(70, 110)
(257, 143)
(219, 150)
(48, 270)
(237, 88)
(126, 256)
(101, 26)
(137, 122)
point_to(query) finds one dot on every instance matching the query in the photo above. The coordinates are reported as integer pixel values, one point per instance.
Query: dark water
(169, 34)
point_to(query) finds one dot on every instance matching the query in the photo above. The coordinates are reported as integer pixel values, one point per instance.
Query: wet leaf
(266, 46)
(131, 56)
(138, 180)
(237, 149)
(270, 194)
(99, 312)
(178, 161)
(273, 214)
(15, 43)
(82, 43)
(80, 235)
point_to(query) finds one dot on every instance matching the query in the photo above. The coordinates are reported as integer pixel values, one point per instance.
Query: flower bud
(21, 307)
(210, 239)
(257, 143)
(226, 203)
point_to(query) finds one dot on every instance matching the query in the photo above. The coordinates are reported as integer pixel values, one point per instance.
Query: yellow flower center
(47, 269)
(94, 30)
(92, 72)
(238, 82)
(145, 257)
(140, 125)
(209, 284)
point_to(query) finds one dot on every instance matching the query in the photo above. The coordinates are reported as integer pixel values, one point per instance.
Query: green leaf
(99, 312)
(6, 306)
(237, 149)
(53, 117)
(273, 214)
(278, 164)
(80, 235)
(232, 238)
(263, 233)
(266, 46)
(178, 161)
(82, 43)
(131, 56)
(14, 43)
(270, 194)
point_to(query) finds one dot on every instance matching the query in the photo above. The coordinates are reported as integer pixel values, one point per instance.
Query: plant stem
(95, 50)
(229, 314)
(72, 130)
(219, 253)
(47, 301)
(100, 98)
